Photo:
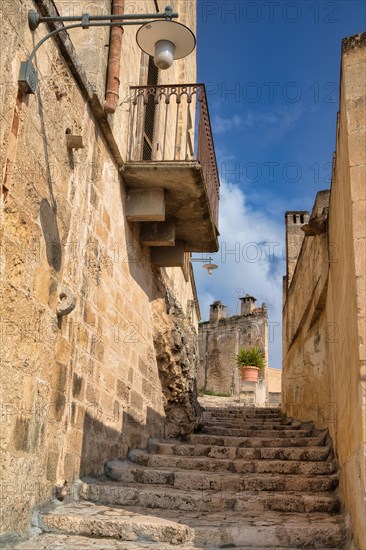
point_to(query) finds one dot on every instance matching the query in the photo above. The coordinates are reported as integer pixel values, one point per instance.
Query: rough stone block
(145, 205)
(123, 391)
(172, 256)
(158, 233)
(136, 400)
(52, 461)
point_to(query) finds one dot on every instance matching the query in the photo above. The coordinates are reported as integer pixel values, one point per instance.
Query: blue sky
(272, 70)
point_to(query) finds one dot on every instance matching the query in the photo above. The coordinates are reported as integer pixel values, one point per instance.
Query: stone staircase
(251, 479)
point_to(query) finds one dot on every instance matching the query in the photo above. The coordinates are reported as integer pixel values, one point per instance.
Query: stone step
(243, 409)
(74, 542)
(269, 417)
(240, 432)
(245, 417)
(251, 465)
(251, 425)
(228, 440)
(281, 451)
(231, 451)
(88, 518)
(163, 496)
(211, 531)
(128, 472)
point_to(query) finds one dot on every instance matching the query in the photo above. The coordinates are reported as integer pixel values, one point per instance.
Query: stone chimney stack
(294, 237)
(247, 305)
(217, 312)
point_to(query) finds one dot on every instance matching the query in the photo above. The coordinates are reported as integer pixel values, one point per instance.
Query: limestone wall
(79, 389)
(274, 380)
(324, 315)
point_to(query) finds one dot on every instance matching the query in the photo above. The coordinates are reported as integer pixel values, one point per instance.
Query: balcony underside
(186, 200)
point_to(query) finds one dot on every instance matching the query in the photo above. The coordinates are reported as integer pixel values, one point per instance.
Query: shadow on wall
(48, 218)
(102, 442)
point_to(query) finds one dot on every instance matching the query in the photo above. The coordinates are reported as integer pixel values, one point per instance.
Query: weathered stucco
(81, 388)
(324, 370)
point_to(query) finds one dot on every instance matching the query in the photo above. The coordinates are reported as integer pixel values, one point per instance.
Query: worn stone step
(213, 532)
(240, 407)
(88, 518)
(228, 440)
(74, 542)
(250, 465)
(128, 472)
(278, 450)
(269, 530)
(258, 433)
(226, 451)
(242, 432)
(244, 416)
(250, 425)
(163, 496)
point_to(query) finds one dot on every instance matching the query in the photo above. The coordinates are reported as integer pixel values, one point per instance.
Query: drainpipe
(114, 59)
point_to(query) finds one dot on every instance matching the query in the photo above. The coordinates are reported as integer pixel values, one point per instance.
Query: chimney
(294, 238)
(247, 304)
(217, 312)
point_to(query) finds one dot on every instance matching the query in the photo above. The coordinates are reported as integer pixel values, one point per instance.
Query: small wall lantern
(209, 265)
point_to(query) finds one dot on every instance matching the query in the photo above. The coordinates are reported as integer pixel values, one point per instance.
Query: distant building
(220, 339)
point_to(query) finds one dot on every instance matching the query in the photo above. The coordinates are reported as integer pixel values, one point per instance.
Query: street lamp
(160, 37)
(209, 266)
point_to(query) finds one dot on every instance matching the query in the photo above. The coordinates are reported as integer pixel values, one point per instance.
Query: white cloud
(270, 126)
(250, 260)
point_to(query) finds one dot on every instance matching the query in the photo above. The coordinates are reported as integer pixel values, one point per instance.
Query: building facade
(219, 341)
(103, 199)
(324, 335)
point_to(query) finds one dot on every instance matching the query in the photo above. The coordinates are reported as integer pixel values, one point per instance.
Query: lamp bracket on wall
(28, 75)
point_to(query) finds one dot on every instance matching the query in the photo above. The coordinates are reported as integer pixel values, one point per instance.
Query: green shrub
(250, 358)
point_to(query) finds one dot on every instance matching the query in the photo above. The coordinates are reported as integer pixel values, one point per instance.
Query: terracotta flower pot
(249, 374)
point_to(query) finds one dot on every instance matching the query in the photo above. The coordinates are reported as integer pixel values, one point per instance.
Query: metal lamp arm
(74, 26)
(34, 19)
(28, 76)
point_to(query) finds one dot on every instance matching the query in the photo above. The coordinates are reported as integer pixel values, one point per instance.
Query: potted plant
(250, 362)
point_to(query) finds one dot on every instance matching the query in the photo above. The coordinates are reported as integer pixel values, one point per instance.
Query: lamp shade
(210, 267)
(155, 32)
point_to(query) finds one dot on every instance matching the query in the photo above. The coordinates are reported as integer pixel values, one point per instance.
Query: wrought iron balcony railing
(162, 129)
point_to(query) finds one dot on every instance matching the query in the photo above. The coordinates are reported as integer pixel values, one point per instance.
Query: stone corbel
(317, 225)
(66, 301)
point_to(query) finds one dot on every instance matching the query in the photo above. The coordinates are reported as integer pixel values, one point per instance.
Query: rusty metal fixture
(166, 134)
(114, 61)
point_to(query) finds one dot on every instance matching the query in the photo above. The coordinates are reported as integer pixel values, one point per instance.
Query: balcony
(172, 185)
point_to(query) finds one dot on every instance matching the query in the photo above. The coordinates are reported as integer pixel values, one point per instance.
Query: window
(152, 80)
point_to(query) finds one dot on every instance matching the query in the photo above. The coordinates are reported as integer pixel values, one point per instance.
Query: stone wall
(274, 386)
(324, 314)
(220, 340)
(77, 389)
